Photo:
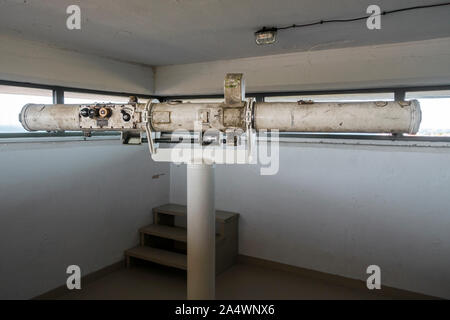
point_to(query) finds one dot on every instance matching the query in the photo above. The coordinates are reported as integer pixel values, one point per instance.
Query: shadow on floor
(242, 281)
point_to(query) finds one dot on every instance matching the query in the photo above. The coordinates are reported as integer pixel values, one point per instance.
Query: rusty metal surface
(60, 117)
(234, 89)
(233, 115)
(50, 117)
(195, 116)
(367, 117)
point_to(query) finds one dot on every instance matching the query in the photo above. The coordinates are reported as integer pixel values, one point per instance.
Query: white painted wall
(35, 62)
(339, 209)
(66, 203)
(400, 64)
(389, 65)
(335, 209)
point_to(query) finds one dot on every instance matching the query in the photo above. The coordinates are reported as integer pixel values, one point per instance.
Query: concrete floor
(242, 281)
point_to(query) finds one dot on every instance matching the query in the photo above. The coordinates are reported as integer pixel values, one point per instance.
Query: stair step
(164, 257)
(168, 232)
(180, 210)
(174, 233)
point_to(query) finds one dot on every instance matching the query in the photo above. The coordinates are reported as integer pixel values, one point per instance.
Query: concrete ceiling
(165, 32)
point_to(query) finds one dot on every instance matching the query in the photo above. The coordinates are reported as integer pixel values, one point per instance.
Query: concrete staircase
(164, 241)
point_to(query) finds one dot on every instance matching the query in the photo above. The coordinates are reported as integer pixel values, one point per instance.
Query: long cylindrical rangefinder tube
(364, 117)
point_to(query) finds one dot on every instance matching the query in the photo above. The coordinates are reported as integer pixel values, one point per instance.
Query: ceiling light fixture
(268, 35)
(265, 36)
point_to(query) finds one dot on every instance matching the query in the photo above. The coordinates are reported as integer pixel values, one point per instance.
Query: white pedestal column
(201, 225)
